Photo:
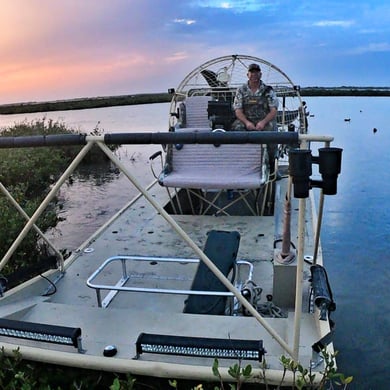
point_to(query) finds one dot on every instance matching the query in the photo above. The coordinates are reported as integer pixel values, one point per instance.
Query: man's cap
(254, 67)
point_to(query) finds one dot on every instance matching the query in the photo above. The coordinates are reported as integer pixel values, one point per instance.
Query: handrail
(119, 286)
(229, 137)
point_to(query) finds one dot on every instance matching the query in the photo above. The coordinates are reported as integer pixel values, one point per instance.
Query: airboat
(218, 258)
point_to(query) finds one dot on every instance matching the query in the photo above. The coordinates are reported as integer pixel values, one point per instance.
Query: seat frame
(201, 169)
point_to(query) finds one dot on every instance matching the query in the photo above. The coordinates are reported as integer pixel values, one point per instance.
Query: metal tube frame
(99, 140)
(44, 204)
(120, 285)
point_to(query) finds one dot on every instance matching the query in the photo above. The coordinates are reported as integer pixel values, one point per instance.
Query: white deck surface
(141, 231)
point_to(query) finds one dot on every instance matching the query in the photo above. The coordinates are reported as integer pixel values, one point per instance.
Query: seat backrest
(221, 248)
(228, 166)
(196, 111)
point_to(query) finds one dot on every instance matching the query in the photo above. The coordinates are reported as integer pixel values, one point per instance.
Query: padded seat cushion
(227, 166)
(221, 248)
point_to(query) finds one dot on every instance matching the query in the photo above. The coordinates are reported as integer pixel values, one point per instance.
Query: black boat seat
(221, 114)
(221, 248)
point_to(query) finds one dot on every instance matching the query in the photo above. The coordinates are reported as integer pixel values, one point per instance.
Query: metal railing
(120, 284)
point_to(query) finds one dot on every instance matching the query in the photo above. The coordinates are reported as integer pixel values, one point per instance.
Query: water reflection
(356, 235)
(95, 193)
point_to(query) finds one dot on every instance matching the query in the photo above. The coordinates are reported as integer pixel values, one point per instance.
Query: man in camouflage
(256, 107)
(255, 104)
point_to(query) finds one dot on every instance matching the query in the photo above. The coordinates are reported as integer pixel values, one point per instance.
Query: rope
(269, 309)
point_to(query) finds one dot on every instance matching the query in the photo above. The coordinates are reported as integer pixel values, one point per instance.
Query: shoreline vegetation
(164, 97)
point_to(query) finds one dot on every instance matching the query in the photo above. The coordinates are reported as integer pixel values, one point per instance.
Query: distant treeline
(85, 103)
(345, 91)
(147, 98)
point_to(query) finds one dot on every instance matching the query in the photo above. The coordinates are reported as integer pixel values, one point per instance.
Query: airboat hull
(130, 314)
(134, 275)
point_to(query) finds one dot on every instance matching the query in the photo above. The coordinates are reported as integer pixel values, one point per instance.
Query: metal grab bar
(120, 284)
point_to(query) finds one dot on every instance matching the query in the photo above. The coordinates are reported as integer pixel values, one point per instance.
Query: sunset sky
(61, 49)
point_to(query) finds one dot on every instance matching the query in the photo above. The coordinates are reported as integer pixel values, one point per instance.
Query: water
(356, 235)
(356, 225)
(93, 197)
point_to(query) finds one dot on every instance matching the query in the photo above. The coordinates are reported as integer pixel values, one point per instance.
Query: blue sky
(60, 49)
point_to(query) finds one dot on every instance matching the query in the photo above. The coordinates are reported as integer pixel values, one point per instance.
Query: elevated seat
(211, 167)
(215, 168)
(221, 248)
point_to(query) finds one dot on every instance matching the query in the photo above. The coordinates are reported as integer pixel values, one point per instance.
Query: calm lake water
(356, 225)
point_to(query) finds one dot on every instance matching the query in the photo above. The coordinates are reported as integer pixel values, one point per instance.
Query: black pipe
(197, 137)
(230, 137)
(42, 140)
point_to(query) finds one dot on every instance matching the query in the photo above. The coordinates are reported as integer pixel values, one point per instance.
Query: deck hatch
(200, 346)
(41, 332)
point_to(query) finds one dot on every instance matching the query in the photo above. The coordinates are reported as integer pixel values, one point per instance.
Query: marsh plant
(303, 378)
(17, 373)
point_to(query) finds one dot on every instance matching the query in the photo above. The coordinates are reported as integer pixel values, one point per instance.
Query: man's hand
(261, 125)
(250, 125)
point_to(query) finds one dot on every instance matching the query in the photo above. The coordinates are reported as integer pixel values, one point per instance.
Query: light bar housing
(200, 346)
(41, 332)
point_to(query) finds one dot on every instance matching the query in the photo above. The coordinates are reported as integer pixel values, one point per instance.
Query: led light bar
(200, 346)
(41, 332)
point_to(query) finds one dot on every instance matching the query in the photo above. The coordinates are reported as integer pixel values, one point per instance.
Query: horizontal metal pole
(42, 140)
(203, 137)
(120, 287)
(155, 290)
(193, 137)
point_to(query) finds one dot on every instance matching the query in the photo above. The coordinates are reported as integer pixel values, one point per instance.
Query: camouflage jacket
(255, 105)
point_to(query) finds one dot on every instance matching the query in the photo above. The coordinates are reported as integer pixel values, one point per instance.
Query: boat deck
(141, 231)
(157, 239)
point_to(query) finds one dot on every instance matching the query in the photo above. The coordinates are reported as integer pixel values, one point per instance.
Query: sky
(64, 49)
